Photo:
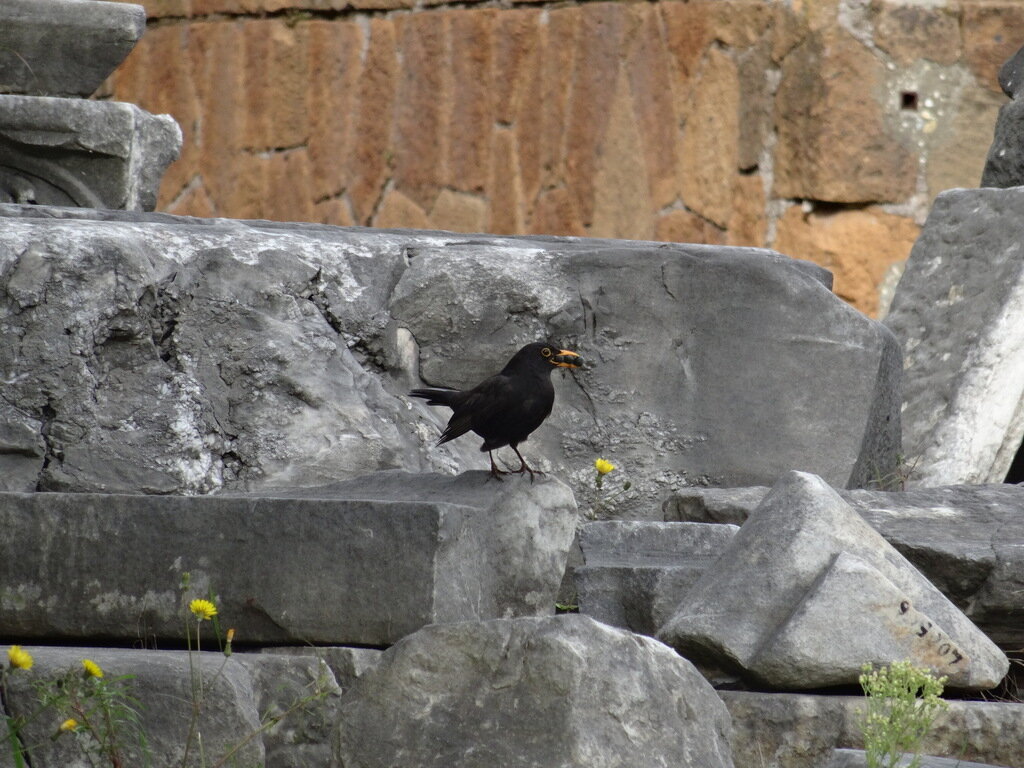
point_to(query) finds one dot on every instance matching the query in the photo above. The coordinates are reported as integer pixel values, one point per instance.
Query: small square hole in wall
(908, 100)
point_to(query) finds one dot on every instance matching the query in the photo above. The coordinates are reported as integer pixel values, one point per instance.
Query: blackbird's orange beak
(566, 359)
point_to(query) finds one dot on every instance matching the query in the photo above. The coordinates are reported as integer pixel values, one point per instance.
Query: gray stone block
(299, 726)
(711, 365)
(330, 570)
(1011, 74)
(64, 47)
(857, 758)
(225, 354)
(91, 154)
(243, 355)
(807, 593)
(965, 539)
(564, 691)
(958, 311)
(637, 572)
(162, 685)
(785, 730)
(1004, 163)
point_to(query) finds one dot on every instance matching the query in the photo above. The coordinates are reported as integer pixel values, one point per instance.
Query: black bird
(507, 407)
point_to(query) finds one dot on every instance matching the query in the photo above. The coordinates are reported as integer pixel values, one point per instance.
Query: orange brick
(420, 107)
(370, 155)
(472, 108)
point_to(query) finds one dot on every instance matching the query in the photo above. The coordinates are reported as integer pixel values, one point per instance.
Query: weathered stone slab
(782, 730)
(284, 689)
(162, 685)
(637, 572)
(1004, 166)
(240, 698)
(564, 690)
(674, 333)
(243, 355)
(321, 570)
(1011, 74)
(959, 313)
(965, 539)
(857, 758)
(64, 47)
(90, 154)
(848, 615)
(224, 354)
(788, 605)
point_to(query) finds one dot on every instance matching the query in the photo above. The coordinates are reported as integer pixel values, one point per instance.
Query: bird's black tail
(436, 395)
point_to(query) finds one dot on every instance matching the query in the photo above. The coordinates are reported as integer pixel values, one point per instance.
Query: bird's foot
(524, 467)
(495, 472)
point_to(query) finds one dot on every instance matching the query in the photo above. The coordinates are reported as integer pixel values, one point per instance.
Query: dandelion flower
(69, 725)
(19, 658)
(203, 609)
(92, 668)
(603, 467)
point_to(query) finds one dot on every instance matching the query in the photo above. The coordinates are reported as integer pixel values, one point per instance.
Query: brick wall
(822, 128)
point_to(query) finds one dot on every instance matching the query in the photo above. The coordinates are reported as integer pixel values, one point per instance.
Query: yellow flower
(203, 609)
(92, 668)
(69, 725)
(603, 467)
(19, 658)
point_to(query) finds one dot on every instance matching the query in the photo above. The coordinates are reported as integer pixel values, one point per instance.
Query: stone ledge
(64, 47)
(92, 154)
(238, 693)
(335, 570)
(787, 730)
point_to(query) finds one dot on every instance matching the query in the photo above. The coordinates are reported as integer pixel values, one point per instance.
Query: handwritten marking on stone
(936, 644)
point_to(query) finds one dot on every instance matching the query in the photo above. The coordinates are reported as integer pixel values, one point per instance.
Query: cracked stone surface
(965, 538)
(176, 356)
(170, 355)
(711, 365)
(563, 690)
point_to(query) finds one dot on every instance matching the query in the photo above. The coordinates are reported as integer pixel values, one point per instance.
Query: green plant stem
(12, 725)
(266, 726)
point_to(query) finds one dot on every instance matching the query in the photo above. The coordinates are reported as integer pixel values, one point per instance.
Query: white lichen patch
(112, 603)
(194, 461)
(20, 597)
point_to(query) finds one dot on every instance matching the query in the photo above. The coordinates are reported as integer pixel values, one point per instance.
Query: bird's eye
(546, 352)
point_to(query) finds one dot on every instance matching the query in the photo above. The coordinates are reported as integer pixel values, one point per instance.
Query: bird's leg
(523, 466)
(495, 472)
